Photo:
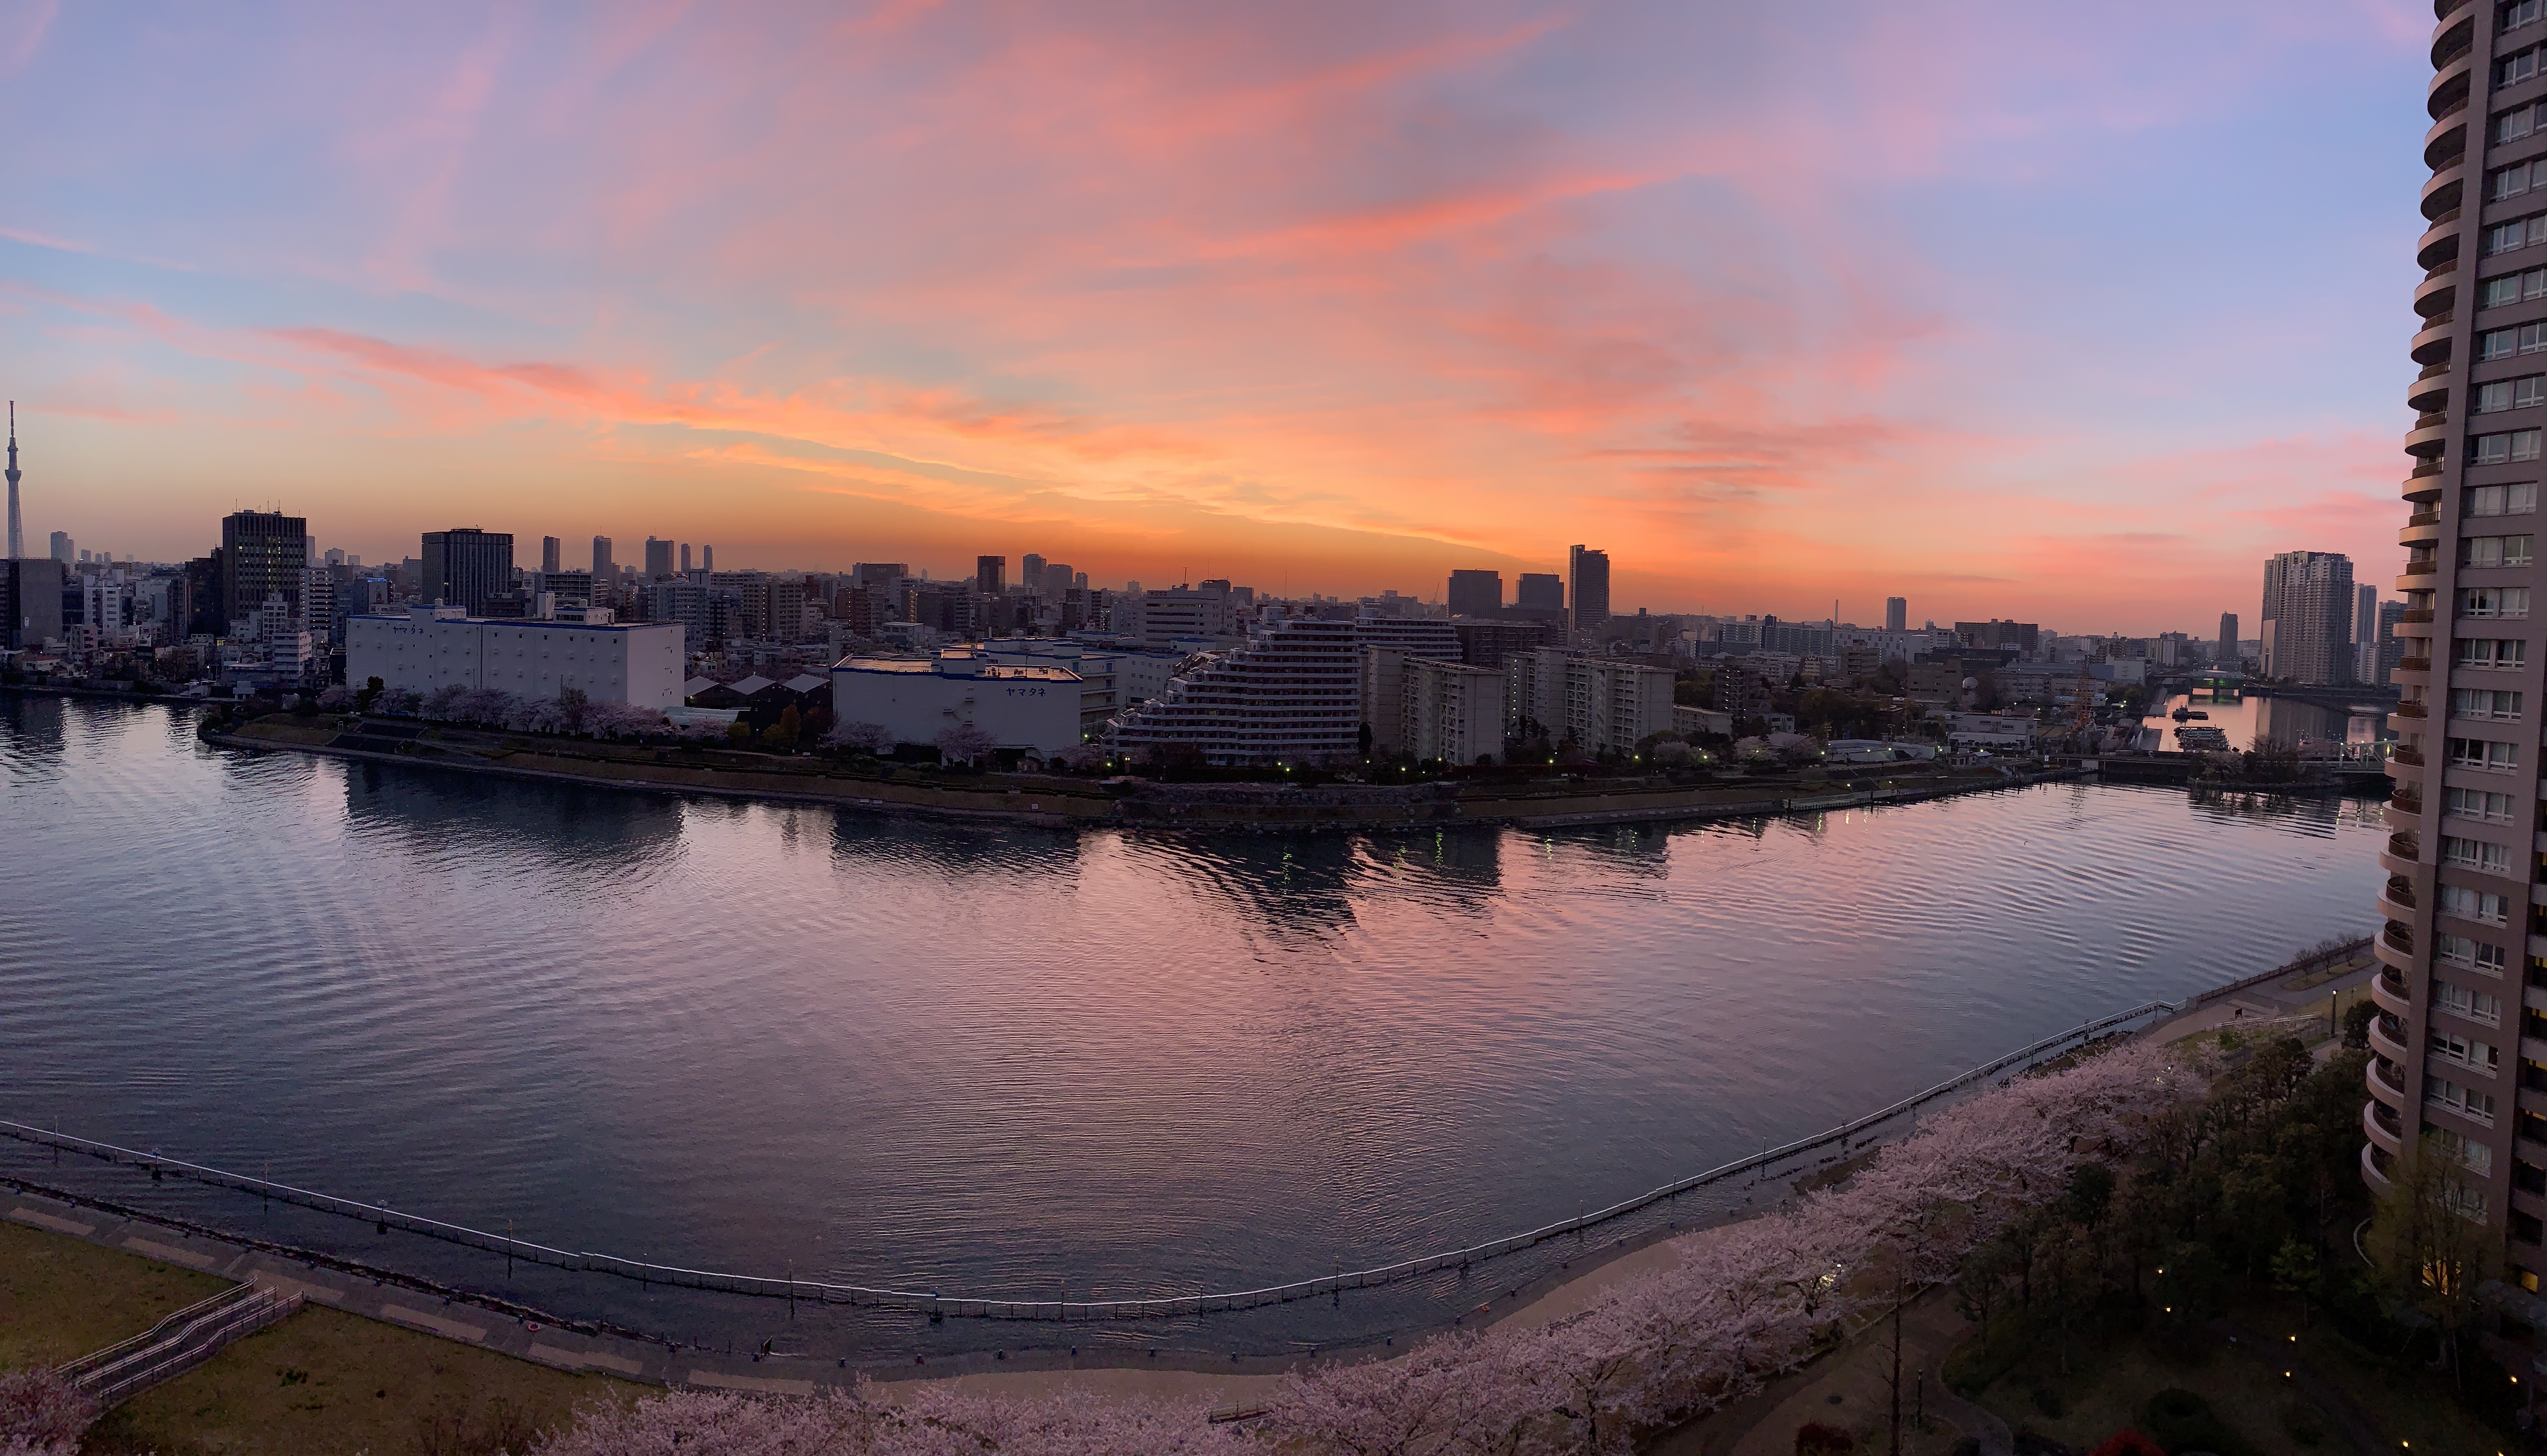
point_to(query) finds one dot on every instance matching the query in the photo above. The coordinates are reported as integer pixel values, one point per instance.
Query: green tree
(2294, 1271)
(2427, 1242)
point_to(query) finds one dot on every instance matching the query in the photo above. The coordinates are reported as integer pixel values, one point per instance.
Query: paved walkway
(1851, 1388)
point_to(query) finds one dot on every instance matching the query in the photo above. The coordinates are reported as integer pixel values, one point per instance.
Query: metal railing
(972, 1307)
(177, 1344)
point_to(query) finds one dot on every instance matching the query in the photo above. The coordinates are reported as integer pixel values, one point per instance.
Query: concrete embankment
(1059, 801)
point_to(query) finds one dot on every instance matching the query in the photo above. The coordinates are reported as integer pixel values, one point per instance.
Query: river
(1025, 1063)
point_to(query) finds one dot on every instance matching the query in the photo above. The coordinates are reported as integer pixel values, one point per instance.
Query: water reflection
(392, 810)
(2288, 721)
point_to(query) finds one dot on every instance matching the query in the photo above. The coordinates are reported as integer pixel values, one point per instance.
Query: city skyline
(1349, 305)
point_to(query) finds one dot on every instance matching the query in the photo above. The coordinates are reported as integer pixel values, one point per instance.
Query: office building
(2226, 652)
(1161, 619)
(263, 553)
(1539, 593)
(31, 601)
(2452, 1075)
(2307, 618)
(63, 544)
(2388, 647)
(464, 566)
(686, 558)
(1030, 571)
(1587, 585)
(990, 574)
(659, 560)
(428, 648)
(548, 553)
(1477, 593)
(605, 571)
(707, 558)
(1034, 706)
(1290, 694)
(17, 530)
(1897, 614)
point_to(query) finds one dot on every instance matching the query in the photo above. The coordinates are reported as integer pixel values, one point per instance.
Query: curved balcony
(2397, 863)
(2401, 962)
(2388, 988)
(2442, 193)
(2421, 527)
(2410, 708)
(2414, 665)
(2407, 753)
(2431, 389)
(2432, 341)
(2430, 437)
(2415, 615)
(2445, 142)
(2440, 241)
(2372, 1172)
(2448, 89)
(2453, 39)
(2386, 1043)
(2375, 1119)
(2396, 899)
(2403, 811)
(2438, 290)
(2385, 1077)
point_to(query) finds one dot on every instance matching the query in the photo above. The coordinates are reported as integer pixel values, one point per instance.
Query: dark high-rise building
(32, 594)
(262, 551)
(200, 609)
(605, 571)
(2307, 618)
(990, 574)
(1588, 586)
(549, 555)
(1477, 593)
(2228, 648)
(1897, 614)
(1539, 591)
(686, 558)
(465, 566)
(658, 559)
(2388, 646)
(2456, 1073)
(880, 576)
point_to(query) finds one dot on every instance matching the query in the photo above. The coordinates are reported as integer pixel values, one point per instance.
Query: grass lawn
(321, 1383)
(2111, 1378)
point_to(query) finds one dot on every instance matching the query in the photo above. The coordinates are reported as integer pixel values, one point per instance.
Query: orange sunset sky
(2064, 313)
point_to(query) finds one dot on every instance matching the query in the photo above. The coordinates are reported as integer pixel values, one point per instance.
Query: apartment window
(2520, 12)
(2520, 393)
(2493, 600)
(2474, 905)
(2512, 70)
(2504, 343)
(2495, 550)
(2468, 1153)
(2466, 953)
(2466, 1005)
(2467, 1052)
(2518, 234)
(2515, 287)
(2476, 854)
(2481, 805)
(2513, 180)
(2507, 448)
(2493, 652)
(2465, 1102)
(2501, 500)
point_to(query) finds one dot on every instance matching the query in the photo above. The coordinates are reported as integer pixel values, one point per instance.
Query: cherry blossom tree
(42, 1414)
(859, 738)
(965, 743)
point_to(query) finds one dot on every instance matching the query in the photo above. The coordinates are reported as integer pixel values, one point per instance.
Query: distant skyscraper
(263, 552)
(686, 558)
(63, 547)
(2365, 634)
(658, 559)
(605, 572)
(464, 566)
(1897, 614)
(707, 558)
(990, 574)
(549, 551)
(1477, 593)
(2229, 641)
(17, 532)
(1030, 571)
(1539, 591)
(1587, 585)
(2307, 618)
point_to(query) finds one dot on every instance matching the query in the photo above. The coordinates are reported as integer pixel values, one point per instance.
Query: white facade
(1453, 713)
(1033, 707)
(1598, 702)
(1291, 694)
(428, 648)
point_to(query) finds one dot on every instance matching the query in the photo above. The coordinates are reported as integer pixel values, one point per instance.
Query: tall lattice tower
(17, 532)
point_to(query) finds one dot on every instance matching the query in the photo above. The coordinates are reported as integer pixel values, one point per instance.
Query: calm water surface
(1023, 1063)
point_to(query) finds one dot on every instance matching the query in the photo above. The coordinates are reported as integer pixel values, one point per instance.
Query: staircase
(177, 1344)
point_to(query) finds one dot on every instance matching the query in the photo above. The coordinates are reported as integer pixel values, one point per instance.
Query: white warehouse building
(424, 648)
(1034, 706)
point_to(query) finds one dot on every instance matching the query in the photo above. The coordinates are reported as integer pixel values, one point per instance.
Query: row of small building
(1298, 689)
